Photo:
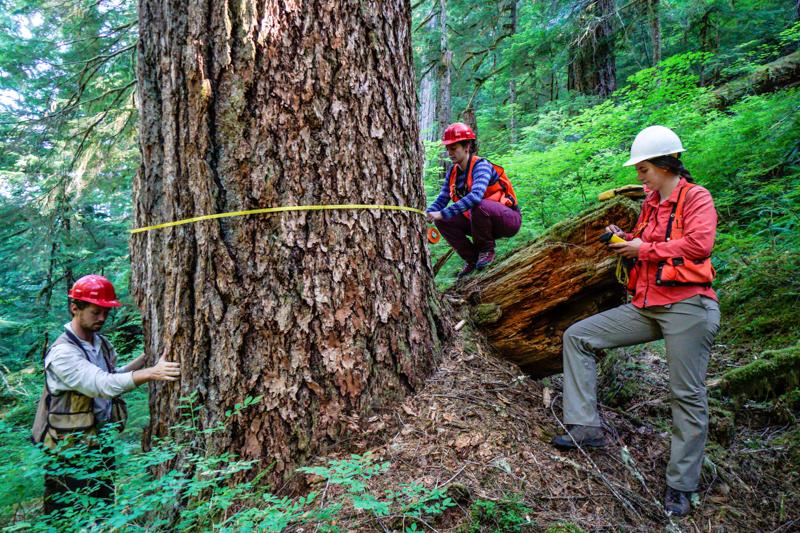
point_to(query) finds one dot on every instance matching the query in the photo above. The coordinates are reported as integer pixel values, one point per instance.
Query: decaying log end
(525, 301)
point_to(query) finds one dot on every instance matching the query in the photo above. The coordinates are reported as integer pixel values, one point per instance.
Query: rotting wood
(541, 289)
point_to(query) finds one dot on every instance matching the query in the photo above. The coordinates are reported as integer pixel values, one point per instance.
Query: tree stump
(525, 302)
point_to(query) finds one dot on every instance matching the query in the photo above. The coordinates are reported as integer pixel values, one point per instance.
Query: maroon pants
(489, 221)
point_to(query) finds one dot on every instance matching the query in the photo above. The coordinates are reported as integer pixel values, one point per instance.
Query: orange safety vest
(501, 191)
(675, 271)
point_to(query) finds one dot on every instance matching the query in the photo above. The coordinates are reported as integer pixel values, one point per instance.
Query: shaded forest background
(556, 90)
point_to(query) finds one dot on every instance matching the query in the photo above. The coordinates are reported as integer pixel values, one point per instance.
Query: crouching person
(82, 389)
(485, 205)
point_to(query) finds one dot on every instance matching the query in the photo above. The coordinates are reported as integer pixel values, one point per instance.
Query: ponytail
(673, 164)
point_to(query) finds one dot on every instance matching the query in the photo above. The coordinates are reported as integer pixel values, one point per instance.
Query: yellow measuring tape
(279, 210)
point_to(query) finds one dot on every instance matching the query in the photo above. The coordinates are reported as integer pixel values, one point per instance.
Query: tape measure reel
(433, 235)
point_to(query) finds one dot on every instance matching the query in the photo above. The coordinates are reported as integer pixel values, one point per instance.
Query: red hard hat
(457, 132)
(95, 290)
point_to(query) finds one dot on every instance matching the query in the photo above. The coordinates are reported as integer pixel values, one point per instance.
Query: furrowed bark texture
(525, 302)
(326, 314)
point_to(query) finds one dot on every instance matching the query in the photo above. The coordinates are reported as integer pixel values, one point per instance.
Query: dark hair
(470, 144)
(80, 303)
(673, 164)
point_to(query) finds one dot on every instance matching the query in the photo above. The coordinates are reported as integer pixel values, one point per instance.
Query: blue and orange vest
(500, 191)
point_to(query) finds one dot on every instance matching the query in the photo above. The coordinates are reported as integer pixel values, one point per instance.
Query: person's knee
(692, 399)
(575, 334)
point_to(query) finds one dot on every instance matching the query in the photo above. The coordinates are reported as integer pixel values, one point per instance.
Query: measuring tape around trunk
(278, 210)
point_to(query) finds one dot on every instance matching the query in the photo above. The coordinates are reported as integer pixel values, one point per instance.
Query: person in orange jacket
(485, 205)
(672, 299)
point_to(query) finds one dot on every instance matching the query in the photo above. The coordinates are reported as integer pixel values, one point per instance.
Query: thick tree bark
(592, 67)
(525, 302)
(468, 118)
(326, 314)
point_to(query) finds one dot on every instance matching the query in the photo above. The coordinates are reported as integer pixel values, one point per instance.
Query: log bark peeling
(525, 302)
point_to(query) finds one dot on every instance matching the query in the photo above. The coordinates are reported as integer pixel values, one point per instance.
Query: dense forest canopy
(556, 90)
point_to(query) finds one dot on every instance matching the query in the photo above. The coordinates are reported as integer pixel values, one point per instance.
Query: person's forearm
(142, 376)
(136, 364)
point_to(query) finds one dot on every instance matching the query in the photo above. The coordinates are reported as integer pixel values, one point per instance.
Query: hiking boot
(677, 502)
(484, 259)
(466, 271)
(583, 436)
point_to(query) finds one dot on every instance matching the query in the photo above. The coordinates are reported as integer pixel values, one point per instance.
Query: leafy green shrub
(508, 514)
(201, 491)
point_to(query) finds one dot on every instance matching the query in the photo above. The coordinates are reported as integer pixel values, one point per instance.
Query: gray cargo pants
(688, 328)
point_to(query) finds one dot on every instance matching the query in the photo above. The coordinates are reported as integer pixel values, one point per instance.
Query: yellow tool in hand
(609, 237)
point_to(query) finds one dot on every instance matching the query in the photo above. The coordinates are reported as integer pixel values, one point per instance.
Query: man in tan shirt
(82, 383)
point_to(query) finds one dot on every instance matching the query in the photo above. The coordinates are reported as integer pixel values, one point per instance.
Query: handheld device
(609, 237)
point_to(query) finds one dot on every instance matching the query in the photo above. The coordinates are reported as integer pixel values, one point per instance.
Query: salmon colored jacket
(700, 229)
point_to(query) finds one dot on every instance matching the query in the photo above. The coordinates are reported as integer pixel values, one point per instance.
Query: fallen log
(779, 74)
(524, 302)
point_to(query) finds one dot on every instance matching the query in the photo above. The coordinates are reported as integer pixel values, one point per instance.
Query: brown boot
(677, 502)
(583, 436)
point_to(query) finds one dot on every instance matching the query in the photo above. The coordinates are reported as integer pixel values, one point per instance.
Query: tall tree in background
(428, 119)
(592, 65)
(512, 83)
(67, 154)
(445, 66)
(325, 314)
(655, 30)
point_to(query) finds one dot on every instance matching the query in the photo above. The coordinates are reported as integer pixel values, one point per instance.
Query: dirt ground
(482, 429)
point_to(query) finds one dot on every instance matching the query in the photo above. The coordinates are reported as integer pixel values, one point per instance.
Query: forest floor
(482, 429)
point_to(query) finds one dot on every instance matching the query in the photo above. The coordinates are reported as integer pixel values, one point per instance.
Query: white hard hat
(653, 142)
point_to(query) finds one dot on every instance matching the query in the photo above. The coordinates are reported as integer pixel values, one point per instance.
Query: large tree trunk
(592, 67)
(326, 314)
(525, 302)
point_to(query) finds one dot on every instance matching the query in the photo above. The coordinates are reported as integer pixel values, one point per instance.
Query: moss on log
(769, 376)
(542, 288)
(486, 314)
(779, 74)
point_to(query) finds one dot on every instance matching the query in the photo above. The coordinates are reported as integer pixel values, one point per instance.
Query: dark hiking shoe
(677, 502)
(484, 259)
(585, 436)
(468, 269)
